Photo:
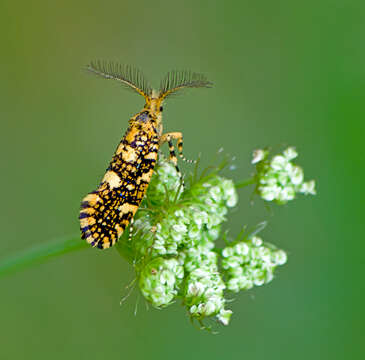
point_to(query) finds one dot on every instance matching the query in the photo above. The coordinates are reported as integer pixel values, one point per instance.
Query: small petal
(278, 162)
(296, 175)
(256, 241)
(258, 155)
(224, 316)
(308, 188)
(290, 153)
(269, 193)
(280, 257)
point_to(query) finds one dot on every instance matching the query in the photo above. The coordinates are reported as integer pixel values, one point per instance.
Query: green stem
(244, 183)
(40, 254)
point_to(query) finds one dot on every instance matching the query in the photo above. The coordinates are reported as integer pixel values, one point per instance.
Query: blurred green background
(285, 72)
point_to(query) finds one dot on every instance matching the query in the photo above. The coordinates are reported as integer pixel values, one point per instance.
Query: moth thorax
(155, 94)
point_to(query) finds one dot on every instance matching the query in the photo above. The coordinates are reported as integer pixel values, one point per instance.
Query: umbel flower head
(250, 263)
(173, 245)
(279, 179)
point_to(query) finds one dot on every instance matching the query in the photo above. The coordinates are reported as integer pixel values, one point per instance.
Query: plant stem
(244, 183)
(41, 253)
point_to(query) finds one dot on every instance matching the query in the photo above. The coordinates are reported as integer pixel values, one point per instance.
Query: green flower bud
(224, 316)
(259, 155)
(204, 293)
(279, 179)
(160, 279)
(308, 188)
(165, 182)
(250, 263)
(290, 153)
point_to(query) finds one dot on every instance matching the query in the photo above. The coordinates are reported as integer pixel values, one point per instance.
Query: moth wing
(102, 220)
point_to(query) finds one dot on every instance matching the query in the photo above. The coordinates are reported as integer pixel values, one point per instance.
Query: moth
(106, 212)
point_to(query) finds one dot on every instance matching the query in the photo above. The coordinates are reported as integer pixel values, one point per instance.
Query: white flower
(269, 193)
(232, 262)
(161, 250)
(166, 277)
(241, 248)
(258, 155)
(308, 188)
(280, 257)
(283, 178)
(216, 193)
(296, 175)
(264, 254)
(194, 232)
(207, 309)
(269, 276)
(230, 193)
(232, 201)
(278, 162)
(180, 228)
(200, 218)
(233, 284)
(196, 289)
(236, 271)
(290, 153)
(213, 233)
(244, 283)
(224, 316)
(257, 241)
(228, 251)
(286, 194)
(200, 273)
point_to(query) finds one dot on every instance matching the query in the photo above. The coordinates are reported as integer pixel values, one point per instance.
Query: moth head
(155, 105)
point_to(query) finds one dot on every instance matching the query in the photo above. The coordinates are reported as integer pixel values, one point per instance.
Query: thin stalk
(41, 253)
(244, 183)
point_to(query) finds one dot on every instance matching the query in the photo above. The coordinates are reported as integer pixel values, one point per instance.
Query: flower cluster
(183, 220)
(172, 247)
(204, 286)
(279, 179)
(197, 219)
(174, 237)
(250, 263)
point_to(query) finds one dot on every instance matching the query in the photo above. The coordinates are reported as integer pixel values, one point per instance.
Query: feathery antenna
(177, 80)
(129, 76)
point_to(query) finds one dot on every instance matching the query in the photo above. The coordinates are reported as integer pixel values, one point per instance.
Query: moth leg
(130, 229)
(180, 149)
(167, 138)
(179, 137)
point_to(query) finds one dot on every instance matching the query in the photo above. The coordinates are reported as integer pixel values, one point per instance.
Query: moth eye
(161, 108)
(143, 116)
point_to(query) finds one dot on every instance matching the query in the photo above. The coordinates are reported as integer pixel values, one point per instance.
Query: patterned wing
(106, 212)
(99, 217)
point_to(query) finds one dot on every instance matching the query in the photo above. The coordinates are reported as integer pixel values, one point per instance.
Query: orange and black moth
(106, 212)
